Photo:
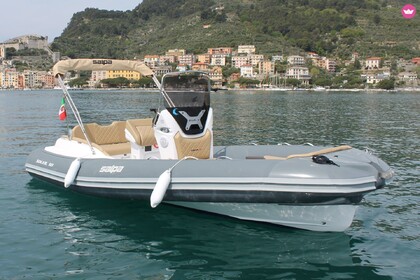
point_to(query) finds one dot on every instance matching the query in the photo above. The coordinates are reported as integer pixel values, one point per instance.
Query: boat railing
(75, 111)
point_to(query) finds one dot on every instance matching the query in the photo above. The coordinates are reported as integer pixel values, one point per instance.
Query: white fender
(161, 186)
(72, 172)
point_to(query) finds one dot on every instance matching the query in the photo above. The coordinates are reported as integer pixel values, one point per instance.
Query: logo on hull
(111, 169)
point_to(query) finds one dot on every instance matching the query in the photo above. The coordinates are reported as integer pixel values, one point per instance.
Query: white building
(275, 58)
(162, 70)
(96, 77)
(218, 59)
(407, 76)
(247, 71)
(151, 60)
(372, 63)
(182, 67)
(376, 78)
(176, 52)
(296, 60)
(300, 73)
(246, 49)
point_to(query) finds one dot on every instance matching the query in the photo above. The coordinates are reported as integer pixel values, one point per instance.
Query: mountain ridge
(332, 27)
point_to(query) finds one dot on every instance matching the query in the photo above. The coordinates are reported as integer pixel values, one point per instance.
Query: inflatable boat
(170, 158)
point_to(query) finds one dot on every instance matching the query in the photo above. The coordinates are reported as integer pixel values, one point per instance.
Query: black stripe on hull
(220, 196)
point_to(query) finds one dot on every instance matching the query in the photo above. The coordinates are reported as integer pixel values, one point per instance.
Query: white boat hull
(333, 218)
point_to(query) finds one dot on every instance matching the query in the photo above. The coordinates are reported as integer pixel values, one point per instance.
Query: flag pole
(75, 111)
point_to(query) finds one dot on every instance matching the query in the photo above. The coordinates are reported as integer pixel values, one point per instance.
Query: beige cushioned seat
(196, 147)
(142, 131)
(109, 139)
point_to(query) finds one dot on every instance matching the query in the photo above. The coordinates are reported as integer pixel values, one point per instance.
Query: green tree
(143, 82)
(116, 82)
(293, 82)
(357, 64)
(247, 81)
(386, 84)
(227, 71)
(78, 82)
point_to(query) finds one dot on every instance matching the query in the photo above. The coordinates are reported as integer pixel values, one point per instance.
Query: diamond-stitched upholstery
(102, 134)
(196, 147)
(110, 139)
(142, 131)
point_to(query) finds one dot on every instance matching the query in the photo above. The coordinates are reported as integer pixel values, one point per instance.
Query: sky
(48, 17)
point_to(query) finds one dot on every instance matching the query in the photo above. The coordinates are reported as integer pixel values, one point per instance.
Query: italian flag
(62, 114)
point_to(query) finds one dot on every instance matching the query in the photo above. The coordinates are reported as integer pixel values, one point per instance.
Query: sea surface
(50, 233)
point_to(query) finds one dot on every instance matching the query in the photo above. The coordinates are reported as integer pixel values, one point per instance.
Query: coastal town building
(296, 60)
(216, 75)
(28, 79)
(182, 67)
(409, 78)
(9, 78)
(374, 78)
(176, 52)
(151, 60)
(327, 64)
(2, 52)
(187, 59)
(251, 65)
(275, 58)
(372, 63)
(166, 59)
(200, 66)
(255, 59)
(162, 70)
(43, 79)
(204, 58)
(300, 73)
(247, 71)
(312, 55)
(218, 59)
(246, 49)
(221, 50)
(239, 60)
(96, 77)
(266, 68)
(130, 75)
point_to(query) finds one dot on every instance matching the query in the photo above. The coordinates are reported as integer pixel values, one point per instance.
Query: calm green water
(48, 233)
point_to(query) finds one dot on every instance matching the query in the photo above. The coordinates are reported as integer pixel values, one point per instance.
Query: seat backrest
(102, 134)
(196, 147)
(142, 131)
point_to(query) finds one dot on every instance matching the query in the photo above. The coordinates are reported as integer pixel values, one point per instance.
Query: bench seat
(109, 139)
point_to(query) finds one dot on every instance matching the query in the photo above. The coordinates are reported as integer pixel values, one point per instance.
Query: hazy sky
(48, 17)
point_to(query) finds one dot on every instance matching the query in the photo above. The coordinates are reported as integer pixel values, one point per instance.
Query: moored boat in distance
(170, 158)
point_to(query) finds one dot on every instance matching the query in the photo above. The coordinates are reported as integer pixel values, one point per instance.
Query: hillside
(329, 27)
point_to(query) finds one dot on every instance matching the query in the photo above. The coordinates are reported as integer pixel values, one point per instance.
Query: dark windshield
(189, 89)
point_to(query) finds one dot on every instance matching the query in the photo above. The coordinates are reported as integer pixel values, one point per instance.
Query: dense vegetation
(329, 27)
